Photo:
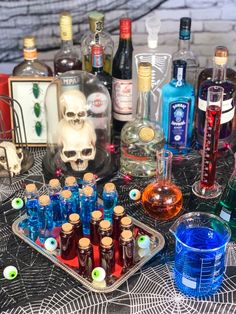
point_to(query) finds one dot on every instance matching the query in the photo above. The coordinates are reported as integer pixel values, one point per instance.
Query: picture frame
(30, 93)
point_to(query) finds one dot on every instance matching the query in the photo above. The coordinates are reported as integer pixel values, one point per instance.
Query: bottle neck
(66, 44)
(143, 106)
(30, 54)
(219, 72)
(125, 44)
(97, 64)
(164, 166)
(184, 44)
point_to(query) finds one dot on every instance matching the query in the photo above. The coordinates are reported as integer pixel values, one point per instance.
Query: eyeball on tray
(98, 274)
(50, 244)
(135, 194)
(10, 272)
(143, 241)
(17, 203)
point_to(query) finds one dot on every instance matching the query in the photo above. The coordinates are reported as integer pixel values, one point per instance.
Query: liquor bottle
(122, 77)
(228, 108)
(178, 110)
(31, 66)
(97, 35)
(67, 58)
(54, 188)
(97, 67)
(109, 197)
(141, 138)
(185, 53)
(45, 218)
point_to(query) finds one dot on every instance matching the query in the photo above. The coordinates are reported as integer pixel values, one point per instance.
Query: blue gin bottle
(110, 198)
(45, 218)
(88, 205)
(31, 199)
(54, 194)
(72, 185)
(67, 205)
(178, 110)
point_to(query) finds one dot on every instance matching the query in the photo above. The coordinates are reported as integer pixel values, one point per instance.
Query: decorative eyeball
(17, 203)
(50, 244)
(143, 241)
(98, 274)
(10, 272)
(135, 194)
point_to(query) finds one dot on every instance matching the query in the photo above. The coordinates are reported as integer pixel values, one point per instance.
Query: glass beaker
(200, 247)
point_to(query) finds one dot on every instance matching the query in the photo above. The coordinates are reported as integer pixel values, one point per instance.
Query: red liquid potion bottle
(118, 214)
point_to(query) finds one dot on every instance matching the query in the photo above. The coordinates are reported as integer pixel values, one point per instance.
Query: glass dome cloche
(78, 115)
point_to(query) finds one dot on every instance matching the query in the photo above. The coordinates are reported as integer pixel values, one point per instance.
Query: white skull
(73, 106)
(78, 146)
(12, 155)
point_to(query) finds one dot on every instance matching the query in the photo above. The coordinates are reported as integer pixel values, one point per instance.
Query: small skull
(14, 157)
(73, 106)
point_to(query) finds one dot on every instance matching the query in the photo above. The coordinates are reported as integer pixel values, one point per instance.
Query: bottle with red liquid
(126, 249)
(76, 222)
(126, 223)
(67, 242)
(96, 218)
(118, 214)
(105, 229)
(85, 256)
(107, 255)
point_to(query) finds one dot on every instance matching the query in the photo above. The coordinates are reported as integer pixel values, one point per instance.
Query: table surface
(41, 287)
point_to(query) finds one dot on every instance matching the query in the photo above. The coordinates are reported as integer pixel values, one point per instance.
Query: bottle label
(98, 26)
(97, 61)
(178, 123)
(146, 134)
(30, 54)
(122, 99)
(184, 34)
(225, 214)
(227, 109)
(97, 102)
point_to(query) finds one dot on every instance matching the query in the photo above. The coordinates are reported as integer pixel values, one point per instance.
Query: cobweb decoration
(5, 233)
(231, 254)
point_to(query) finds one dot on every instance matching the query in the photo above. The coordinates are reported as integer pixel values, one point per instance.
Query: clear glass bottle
(107, 255)
(54, 188)
(97, 35)
(96, 218)
(118, 214)
(67, 58)
(67, 204)
(72, 185)
(185, 53)
(105, 229)
(162, 199)
(31, 200)
(76, 222)
(178, 110)
(85, 257)
(110, 198)
(67, 242)
(45, 218)
(126, 223)
(141, 138)
(90, 179)
(31, 66)
(88, 205)
(126, 249)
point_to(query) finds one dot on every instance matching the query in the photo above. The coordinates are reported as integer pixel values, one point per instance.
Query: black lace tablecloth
(43, 288)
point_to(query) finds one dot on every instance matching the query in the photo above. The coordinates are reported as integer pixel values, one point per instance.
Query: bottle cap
(105, 225)
(109, 187)
(185, 28)
(54, 183)
(179, 69)
(106, 242)
(44, 200)
(96, 21)
(126, 235)
(125, 28)
(66, 194)
(221, 55)
(88, 191)
(153, 25)
(67, 227)
(30, 188)
(126, 221)
(66, 26)
(70, 181)
(74, 218)
(144, 76)
(96, 215)
(84, 243)
(119, 210)
(29, 41)
(89, 176)
(30, 51)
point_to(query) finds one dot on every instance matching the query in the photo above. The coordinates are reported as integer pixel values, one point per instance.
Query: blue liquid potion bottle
(72, 185)
(89, 179)
(178, 110)
(31, 199)
(67, 204)
(45, 218)
(88, 205)
(54, 194)
(110, 198)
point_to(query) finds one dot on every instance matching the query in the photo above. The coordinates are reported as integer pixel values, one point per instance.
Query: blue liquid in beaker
(199, 260)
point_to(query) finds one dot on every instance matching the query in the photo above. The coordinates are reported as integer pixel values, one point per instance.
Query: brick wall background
(213, 23)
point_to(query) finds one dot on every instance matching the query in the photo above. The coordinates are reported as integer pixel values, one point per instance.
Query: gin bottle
(178, 110)
(141, 138)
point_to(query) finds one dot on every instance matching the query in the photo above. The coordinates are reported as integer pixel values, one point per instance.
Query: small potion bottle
(88, 205)
(89, 179)
(126, 223)
(76, 222)
(67, 204)
(72, 185)
(67, 242)
(118, 214)
(45, 218)
(54, 194)
(96, 218)
(31, 199)
(33, 227)
(85, 256)
(126, 249)
(107, 255)
(105, 229)
(109, 197)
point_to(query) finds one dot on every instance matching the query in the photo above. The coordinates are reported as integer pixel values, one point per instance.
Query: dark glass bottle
(85, 256)
(118, 214)
(74, 219)
(96, 218)
(67, 242)
(228, 106)
(105, 229)
(126, 223)
(107, 255)
(67, 58)
(122, 77)
(126, 249)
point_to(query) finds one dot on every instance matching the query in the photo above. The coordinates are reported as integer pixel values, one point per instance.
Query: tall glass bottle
(45, 218)
(54, 188)
(122, 77)
(185, 53)
(88, 205)
(97, 35)
(178, 110)
(228, 106)
(67, 58)
(141, 138)
(31, 66)
(162, 199)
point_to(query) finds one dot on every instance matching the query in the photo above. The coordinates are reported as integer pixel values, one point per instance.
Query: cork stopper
(44, 200)
(70, 181)
(66, 194)
(84, 243)
(109, 187)
(30, 188)
(221, 55)
(106, 242)
(119, 210)
(126, 221)
(54, 183)
(67, 227)
(66, 26)
(96, 215)
(96, 21)
(88, 191)
(29, 41)
(126, 235)
(105, 225)
(144, 76)
(88, 176)
(74, 218)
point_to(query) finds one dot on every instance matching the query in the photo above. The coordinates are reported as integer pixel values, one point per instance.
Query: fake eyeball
(10, 272)
(17, 203)
(135, 194)
(50, 244)
(98, 274)
(143, 241)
